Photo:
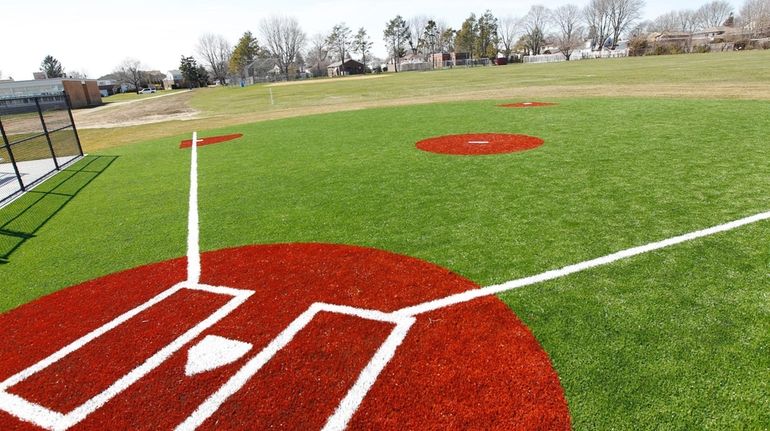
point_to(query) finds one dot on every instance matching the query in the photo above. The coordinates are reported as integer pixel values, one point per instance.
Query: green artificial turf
(672, 340)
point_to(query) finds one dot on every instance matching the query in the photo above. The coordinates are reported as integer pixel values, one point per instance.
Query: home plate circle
(291, 336)
(479, 144)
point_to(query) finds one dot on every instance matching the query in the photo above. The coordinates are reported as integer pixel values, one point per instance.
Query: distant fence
(576, 55)
(468, 63)
(38, 138)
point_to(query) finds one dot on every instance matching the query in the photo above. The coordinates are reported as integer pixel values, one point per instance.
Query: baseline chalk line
(578, 267)
(193, 226)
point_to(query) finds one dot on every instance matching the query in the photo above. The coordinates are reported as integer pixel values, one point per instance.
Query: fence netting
(39, 137)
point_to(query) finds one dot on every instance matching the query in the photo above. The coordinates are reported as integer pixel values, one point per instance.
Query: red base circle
(210, 140)
(472, 365)
(528, 105)
(479, 144)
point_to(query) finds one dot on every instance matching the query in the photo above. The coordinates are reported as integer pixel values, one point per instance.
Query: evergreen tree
(487, 35)
(52, 67)
(246, 51)
(467, 36)
(191, 71)
(396, 35)
(431, 37)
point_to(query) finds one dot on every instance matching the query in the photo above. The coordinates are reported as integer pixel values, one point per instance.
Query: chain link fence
(39, 138)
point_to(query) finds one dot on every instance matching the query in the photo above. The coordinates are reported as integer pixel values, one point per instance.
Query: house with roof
(349, 67)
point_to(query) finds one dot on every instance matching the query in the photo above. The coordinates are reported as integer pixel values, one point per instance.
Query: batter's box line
(56, 421)
(355, 395)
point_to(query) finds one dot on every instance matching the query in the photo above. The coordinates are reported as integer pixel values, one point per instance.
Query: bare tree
(597, 16)
(687, 21)
(339, 41)
(510, 28)
(318, 54)
(623, 14)
(445, 42)
(417, 43)
(665, 23)
(756, 16)
(130, 72)
(78, 74)
(713, 14)
(569, 36)
(535, 27)
(215, 51)
(284, 38)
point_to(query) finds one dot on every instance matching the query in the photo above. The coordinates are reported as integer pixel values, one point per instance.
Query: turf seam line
(193, 227)
(578, 267)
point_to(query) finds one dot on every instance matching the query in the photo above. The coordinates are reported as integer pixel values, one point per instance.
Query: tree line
(286, 49)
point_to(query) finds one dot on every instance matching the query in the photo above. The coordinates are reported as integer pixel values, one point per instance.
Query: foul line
(578, 267)
(193, 228)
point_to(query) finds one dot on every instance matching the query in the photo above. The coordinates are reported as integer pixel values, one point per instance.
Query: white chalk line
(349, 405)
(578, 267)
(355, 395)
(193, 225)
(56, 421)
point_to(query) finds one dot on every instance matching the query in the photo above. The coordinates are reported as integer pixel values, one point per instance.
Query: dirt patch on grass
(137, 112)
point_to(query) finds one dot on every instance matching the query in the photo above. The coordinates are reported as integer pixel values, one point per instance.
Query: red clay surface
(479, 144)
(528, 105)
(473, 365)
(211, 140)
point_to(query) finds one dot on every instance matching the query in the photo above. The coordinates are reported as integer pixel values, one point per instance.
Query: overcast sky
(95, 36)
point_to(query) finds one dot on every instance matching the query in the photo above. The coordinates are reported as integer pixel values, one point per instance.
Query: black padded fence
(39, 138)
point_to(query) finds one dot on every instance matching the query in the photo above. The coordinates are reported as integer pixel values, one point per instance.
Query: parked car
(146, 90)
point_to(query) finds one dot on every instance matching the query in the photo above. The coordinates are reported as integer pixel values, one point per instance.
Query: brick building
(82, 92)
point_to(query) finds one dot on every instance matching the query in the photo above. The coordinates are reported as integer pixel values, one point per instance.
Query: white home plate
(214, 352)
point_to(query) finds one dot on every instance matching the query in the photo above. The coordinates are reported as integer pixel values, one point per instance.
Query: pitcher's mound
(479, 144)
(528, 105)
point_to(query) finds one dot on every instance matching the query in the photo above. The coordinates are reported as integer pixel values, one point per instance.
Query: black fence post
(10, 154)
(45, 130)
(72, 122)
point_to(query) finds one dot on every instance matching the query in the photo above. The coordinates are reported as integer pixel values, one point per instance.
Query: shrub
(742, 44)
(701, 49)
(637, 46)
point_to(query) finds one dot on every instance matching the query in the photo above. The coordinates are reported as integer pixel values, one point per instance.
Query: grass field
(741, 75)
(675, 339)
